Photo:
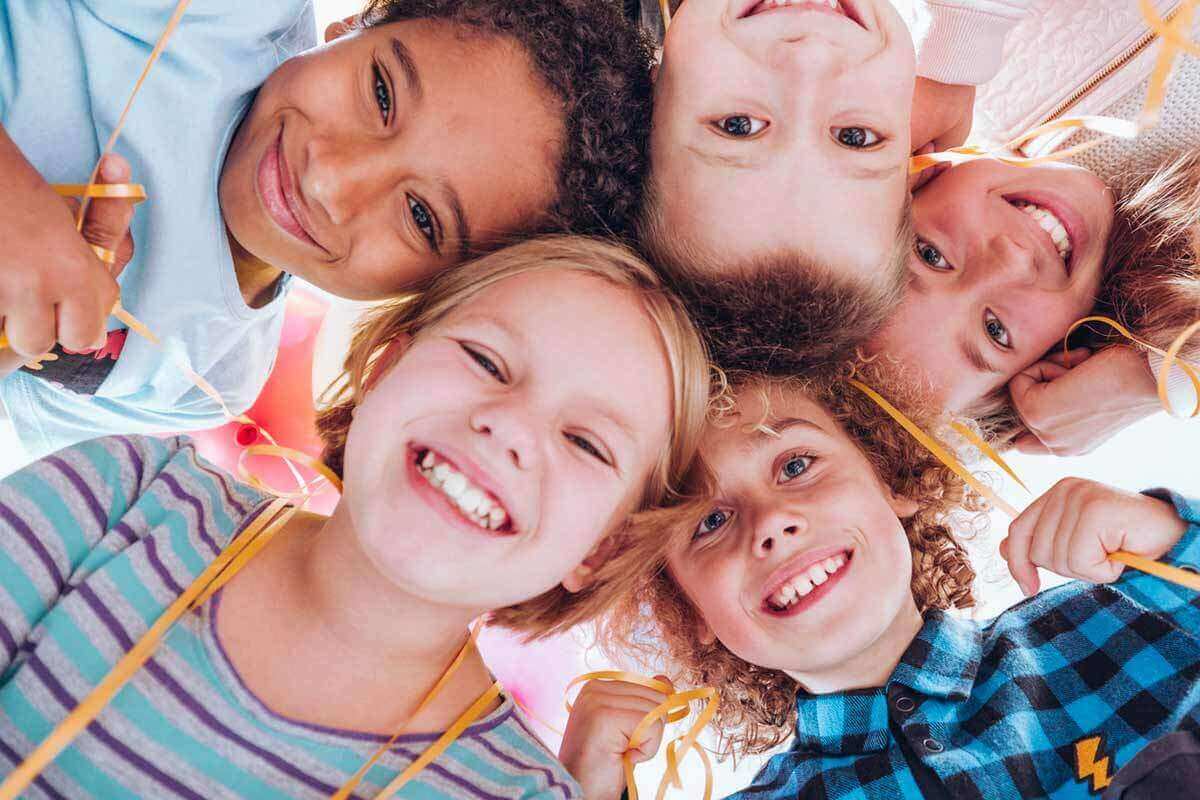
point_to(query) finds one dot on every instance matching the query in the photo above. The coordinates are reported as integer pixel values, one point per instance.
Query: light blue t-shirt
(66, 70)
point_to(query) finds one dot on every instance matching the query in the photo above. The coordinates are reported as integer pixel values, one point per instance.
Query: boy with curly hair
(812, 591)
(424, 132)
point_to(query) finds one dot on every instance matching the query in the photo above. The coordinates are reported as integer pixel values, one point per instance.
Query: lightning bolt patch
(1087, 765)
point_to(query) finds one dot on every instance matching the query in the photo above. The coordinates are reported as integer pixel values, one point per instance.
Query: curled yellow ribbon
(676, 707)
(1157, 568)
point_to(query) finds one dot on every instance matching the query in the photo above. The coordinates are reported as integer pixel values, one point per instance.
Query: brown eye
(856, 138)
(740, 126)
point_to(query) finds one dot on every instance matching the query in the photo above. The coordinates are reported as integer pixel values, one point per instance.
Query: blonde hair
(1151, 276)
(758, 705)
(557, 609)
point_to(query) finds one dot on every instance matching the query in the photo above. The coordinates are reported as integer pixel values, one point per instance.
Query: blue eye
(383, 97)
(486, 363)
(423, 219)
(996, 331)
(794, 467)
(710, 524)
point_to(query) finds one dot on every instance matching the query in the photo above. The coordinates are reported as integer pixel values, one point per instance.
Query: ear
(583, 575)
(387, 360)
(704, 633)
(904, 507)
(336, 30)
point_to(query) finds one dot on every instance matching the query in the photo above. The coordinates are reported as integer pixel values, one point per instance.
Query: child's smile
(832, 7)
(282, 197)
(463, 491)
(806, 579)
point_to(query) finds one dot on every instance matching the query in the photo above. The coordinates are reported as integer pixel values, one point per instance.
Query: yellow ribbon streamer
(674, 708)
(1165, 571)
(985, 448)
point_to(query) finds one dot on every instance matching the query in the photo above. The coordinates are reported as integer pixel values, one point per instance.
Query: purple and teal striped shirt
(95, 542)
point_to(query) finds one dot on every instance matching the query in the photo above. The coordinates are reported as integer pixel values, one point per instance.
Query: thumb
(1028, 443)
(107, 222)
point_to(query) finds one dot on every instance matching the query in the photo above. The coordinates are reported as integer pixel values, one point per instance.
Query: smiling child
(424, 132)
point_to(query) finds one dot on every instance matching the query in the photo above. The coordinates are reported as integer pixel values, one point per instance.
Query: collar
(941, 662)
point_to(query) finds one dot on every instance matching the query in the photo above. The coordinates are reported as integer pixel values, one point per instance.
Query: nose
(511, 428)
(776, 529)
(344, 177)
(1008, 262)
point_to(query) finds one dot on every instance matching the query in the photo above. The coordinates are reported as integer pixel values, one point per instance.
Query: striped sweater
(95, 542)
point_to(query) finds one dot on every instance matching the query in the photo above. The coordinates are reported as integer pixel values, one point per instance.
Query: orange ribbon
(674, 708)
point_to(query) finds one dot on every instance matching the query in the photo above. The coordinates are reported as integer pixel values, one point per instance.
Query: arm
(53, 513)
(962, 41)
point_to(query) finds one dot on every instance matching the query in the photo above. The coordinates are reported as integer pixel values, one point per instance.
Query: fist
(597, 739)
(1074, 528)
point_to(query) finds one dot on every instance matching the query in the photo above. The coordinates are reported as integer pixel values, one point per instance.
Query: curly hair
(597, 65)
(758, 705)
(1151, 282)
(777, 313)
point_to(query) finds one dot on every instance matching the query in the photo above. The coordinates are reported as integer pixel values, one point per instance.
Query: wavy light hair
(1151, 282)
(758, 705)
(556, 609)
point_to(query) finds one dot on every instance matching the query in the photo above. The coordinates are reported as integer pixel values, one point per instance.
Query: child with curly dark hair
(813, 587)
(423, 133)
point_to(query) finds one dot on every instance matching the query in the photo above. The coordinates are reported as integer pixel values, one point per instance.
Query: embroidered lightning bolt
(1087, 766)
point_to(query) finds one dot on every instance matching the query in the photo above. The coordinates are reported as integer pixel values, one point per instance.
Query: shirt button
(905, 704)
(933, 745)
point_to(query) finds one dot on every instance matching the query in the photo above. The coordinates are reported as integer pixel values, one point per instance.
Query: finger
(107, 222)
(1028, 443)
(1072, 358)
(1016, 548)
(30, 329)
(81, 324)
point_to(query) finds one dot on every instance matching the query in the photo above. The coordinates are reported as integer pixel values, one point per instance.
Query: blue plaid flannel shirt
(1010, 708)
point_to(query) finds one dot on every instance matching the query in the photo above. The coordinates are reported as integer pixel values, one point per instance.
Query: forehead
(759, 409)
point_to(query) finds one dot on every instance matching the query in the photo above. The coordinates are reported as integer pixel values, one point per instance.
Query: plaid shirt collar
(941, 663)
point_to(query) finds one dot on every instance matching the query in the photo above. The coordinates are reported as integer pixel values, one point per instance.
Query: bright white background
(1158, 452)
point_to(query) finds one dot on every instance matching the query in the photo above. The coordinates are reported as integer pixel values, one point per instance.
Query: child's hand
(1072, 410)
(598, 730)
(53, 286)
(942, 114)
(1073, 528)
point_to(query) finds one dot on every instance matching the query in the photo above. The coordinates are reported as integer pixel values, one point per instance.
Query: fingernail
(109, 169)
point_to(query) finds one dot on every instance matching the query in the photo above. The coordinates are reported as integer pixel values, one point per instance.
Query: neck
(871, 667)
(256, 278)
(364, 639)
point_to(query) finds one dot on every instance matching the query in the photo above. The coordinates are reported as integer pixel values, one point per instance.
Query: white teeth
(817, 574)
(1052, 225)
(454, 486)
(475, 504)
(802, 584)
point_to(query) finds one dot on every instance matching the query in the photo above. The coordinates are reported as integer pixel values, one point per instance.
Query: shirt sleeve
(59, 518)
(1179, 603)
(962, 41)
(1180, 390)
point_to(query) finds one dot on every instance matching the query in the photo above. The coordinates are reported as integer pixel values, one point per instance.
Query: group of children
(609, 382)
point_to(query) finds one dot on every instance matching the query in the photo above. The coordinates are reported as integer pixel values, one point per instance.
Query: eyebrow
(770, 429)
(975, 357)
(462, 228)
(873, 173)
(411, 75)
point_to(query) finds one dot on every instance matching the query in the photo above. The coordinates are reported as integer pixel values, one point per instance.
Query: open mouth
(837, 7)
(807, 584)
(469, 501)
(1052, 223)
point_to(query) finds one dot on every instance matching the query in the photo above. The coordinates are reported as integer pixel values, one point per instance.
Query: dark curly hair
(655, 624)
(597, 65)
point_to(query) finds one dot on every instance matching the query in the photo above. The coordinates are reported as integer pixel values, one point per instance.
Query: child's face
(802, 562)
(994, 276)
(549, 396)
(785, 129)
(383, 157)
